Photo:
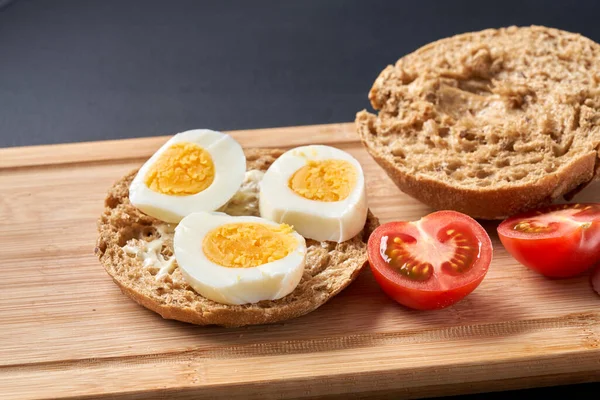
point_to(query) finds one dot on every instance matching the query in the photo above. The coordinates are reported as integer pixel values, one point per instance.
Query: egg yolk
(248, 244)
(325, 180)
(181, 170)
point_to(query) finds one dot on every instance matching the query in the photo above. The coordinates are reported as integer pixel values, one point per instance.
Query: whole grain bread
(330, 267)
(489, 123)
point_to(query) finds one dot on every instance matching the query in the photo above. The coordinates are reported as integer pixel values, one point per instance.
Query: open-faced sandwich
(208, 233)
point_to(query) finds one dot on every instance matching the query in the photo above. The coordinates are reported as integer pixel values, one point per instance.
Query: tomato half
(558, 241)
(431, 263)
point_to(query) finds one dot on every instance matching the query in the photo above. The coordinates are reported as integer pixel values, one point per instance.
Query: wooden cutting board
(66, 329)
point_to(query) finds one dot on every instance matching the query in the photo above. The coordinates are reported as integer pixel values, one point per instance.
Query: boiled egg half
(197, 170)
(238, 260)
(319, 190)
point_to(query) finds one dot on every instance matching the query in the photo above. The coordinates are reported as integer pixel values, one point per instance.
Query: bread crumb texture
(489, 111)
(137, 252)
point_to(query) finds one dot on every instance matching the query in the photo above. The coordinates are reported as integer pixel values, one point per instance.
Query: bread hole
(559, 151)
(503, 162)
(189, 296)
(429, 142)
(535, 159)
(149, 233)
(429, 166)
(133, 274)
(550, 168)
(458, 175)
(112, 201)
(442, 144)
(125, 235)
(483, 173)
(480, 63)
(153, 270)
(406, 77)
(166, 251)
(398, 152)
(453, 165)
(385, 140)
(160, 291)
(417, 149)
(528, 146)
(476, 86)
(443, 131)
(431, 97)
(577, 115)
(101, 247)
(371, 126)
(418, 125)
(518, 175)
(509, 145)
(484, 183)
(444, 64)
(470, 136)
(469, 147)
(493, 138)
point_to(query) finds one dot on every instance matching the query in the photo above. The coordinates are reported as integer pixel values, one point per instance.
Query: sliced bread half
(137, 252)
(489, 123)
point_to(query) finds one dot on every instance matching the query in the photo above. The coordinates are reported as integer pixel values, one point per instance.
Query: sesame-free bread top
(160, 286)
(489, 123)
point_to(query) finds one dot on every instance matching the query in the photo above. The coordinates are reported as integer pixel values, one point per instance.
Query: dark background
(75, 70)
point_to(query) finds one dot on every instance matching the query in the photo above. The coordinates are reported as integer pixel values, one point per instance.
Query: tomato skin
(428, 296)
(424, 300)
(565, 253)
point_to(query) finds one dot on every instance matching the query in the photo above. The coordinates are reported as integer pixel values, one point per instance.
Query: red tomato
(431, 263)
(558, 241)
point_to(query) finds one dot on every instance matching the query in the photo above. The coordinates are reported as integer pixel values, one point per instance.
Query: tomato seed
(532, 227)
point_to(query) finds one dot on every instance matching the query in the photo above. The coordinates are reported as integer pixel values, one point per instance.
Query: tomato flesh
(558, 241)
(431, 263)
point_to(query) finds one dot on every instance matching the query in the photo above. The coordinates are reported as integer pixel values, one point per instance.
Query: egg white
(230, 167)
(270, 281)
(319, 220)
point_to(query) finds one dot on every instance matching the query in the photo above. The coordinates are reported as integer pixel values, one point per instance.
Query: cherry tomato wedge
(431, 263)
(558, 241)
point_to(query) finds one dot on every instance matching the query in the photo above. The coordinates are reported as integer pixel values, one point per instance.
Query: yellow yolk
(181, 170)
(248, 244)
(326, 180)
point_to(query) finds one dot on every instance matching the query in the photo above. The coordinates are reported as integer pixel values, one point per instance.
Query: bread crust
(499, 199)
(330, 266)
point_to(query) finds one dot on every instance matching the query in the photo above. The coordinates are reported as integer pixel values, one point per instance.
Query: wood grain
(67, 331)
